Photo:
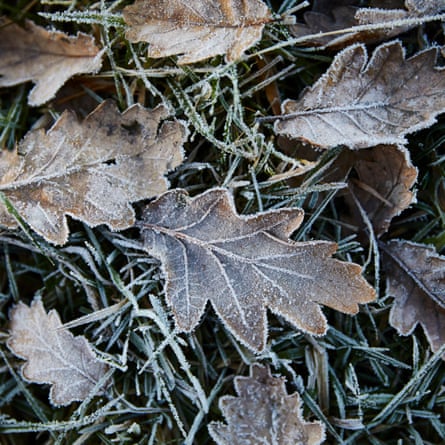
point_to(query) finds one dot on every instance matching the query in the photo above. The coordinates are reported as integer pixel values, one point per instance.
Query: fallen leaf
(243, 264)
(48, 58)
(361, 104)
(53, 354)
(341, 15)
(264, 413)
(380, 178)
(196, 29)
(416, 280)
(90, 170)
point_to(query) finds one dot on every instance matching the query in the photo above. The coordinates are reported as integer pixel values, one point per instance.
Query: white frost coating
(245, 264)
(53, 355)
(196, 29)
(361, 104)
(91, 170)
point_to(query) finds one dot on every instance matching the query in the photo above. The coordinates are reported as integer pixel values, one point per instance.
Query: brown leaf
(264, 413)
(381, 179)
(243, 264)
(361, 104)
(48, 58)
(53, 354)
(196, 29)
(416, 279)
(341, 15)
(90, 170)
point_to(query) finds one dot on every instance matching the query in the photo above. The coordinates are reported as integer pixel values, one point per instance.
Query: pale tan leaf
(380, 178)
(361, 104)
(53, 354)
(263, 413)
(416, 280)
(245, 264)
(91, 170)
(196, 29)
(327, 17)
(48, 58)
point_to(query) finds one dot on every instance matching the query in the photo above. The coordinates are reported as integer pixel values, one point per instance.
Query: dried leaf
(53, 354)
(361, 104)
(196, 29)
(340, 15)
(48, 58)
(416, 279)
(90, 170)
(264, 413)
(243, 264)
(381, 179)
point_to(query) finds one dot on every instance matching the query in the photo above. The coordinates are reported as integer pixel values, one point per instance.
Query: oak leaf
(243, 264)
(91, 170)
(264, 413)
(48, 58)
(327, 17)
(53, 354)
(416, 279)
(196, 29)
(361, 103)
(380, 178)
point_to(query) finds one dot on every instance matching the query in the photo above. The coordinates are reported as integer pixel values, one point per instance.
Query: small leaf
(48, 58)
(382, 186)
(53, 354)
(196, 29)
(416, 279)
(90, 170)
(361, 104)
(243, 264)
(263, 413)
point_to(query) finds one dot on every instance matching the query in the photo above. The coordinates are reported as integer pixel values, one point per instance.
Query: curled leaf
(196, 29)
(264, 413)
(48, 58)
(245, 264)
(381, 179)
(91, 170)
(361, 103)
(53, 354)
(416, 280)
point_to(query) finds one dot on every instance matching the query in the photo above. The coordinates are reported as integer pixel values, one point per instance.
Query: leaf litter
(242, 264)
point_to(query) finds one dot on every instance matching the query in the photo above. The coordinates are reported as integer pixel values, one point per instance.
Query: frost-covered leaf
(53, 354)
(196, 29)
(381, 179)
(331, 16)
(361, 104)
(263, 413)
(91, 170)
(416, 279)
(245, 264)
(48, 58)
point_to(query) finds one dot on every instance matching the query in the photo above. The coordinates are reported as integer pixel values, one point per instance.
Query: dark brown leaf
(416, 280)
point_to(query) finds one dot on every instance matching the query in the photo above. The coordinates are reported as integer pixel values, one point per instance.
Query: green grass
(365, 382)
